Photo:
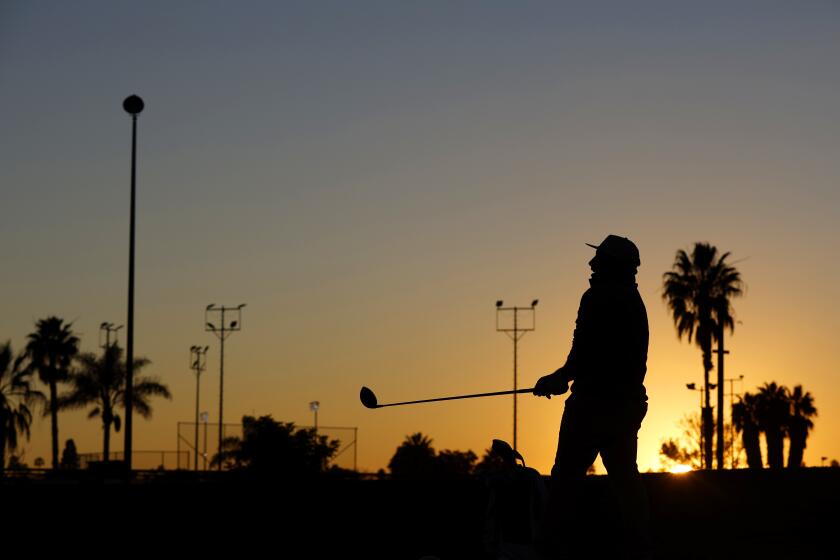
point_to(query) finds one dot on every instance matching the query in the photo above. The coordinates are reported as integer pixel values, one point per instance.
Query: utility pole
(108, 328)
(515, 334)
(198, 362)
(132, 105)
(222, 331)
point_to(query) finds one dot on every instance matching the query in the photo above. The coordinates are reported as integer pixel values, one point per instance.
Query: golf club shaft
(497, 393)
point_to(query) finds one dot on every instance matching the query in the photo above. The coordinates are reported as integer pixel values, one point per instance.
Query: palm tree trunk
(798, 439)
(708, 419)
(775, 448)
(752, 447)
(106, 443)
(54, 419)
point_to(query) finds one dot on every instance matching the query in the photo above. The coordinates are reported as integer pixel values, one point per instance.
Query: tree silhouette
(698, 291)
(69, 456)
(99, 381)
(746, 423)
(799, 424)
(51, 348)
(455, 464)
(272, 448)
(16, 399)
(490, 463)
(685, 450)
(772, 412)
(414, 458)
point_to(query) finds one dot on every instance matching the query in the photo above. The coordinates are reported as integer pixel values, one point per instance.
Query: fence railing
(142, 460)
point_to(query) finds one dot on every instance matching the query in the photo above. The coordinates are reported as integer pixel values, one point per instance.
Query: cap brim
(591, 245)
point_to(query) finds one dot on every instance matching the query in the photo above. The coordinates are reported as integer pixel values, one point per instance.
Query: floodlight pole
(222, 333)
(132, 105)
(198, 361)
(204, 417)
(314, 406)
(515, 334)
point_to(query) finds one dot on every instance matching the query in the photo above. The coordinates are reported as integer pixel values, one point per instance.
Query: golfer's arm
(568, 372)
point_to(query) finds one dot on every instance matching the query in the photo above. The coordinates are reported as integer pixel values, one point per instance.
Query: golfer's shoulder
(595, 296)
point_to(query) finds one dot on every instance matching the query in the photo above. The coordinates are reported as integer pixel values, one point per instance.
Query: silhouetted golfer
(607, 365)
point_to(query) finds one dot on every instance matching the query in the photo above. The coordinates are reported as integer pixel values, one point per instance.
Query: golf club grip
(497, 393)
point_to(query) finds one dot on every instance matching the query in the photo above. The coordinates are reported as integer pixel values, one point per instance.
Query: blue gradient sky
(371, 176)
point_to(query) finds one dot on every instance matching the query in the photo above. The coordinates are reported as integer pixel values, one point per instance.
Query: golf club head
(368, 398)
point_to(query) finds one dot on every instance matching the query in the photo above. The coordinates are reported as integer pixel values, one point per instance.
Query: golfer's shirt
(608, 359)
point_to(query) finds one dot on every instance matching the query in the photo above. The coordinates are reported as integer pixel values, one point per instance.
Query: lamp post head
(691, 386)
(499, 303)
(133, 105)
(534, 303)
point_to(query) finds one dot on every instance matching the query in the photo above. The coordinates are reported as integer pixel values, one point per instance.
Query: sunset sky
(370, 177)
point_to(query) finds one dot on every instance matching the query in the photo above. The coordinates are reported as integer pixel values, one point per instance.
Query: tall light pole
(222, 331)
(133, 105)
(515, 334)
(314, 406)
(198, 361)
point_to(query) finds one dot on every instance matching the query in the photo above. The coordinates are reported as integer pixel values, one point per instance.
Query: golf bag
(516, 500)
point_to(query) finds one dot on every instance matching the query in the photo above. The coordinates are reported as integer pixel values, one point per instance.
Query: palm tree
(799, 425)
(745, 422)
(51, 349)
(414, 458)
(698, 291)
(772, 411)
(16, 398)
(100, 382)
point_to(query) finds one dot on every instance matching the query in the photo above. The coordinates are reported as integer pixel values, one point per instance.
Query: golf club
(368, 398)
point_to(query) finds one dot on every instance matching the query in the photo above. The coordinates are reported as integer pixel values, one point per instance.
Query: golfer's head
(615, 254)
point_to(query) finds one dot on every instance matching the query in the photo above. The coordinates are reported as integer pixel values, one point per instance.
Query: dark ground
(702, 515)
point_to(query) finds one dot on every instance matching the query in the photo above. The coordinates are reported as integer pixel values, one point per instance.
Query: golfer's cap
(620, 249)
